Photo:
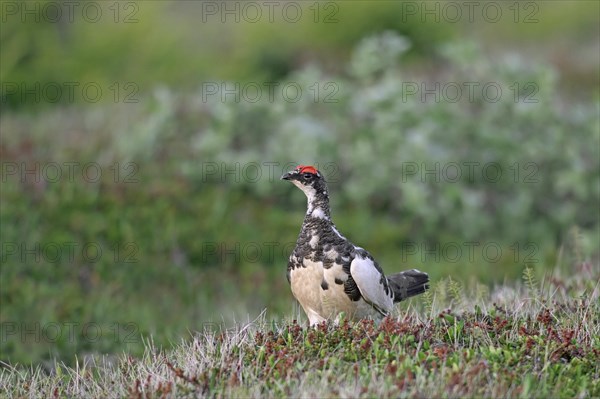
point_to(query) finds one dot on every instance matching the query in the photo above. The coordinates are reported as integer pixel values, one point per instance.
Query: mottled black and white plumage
(330, 275)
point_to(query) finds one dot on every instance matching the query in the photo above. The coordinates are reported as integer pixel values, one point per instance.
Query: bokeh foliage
(181, 44)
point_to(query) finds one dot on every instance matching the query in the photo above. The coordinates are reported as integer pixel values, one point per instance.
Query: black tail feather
(408, 283)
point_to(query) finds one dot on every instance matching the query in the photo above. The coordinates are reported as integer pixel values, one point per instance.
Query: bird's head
(309, 180)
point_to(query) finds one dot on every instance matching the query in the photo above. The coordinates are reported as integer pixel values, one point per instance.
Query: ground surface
(535, 340)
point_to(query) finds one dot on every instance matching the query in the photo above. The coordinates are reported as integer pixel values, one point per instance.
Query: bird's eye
(308, 176)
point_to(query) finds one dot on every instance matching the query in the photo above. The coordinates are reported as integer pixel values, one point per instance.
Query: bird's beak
(286, 176)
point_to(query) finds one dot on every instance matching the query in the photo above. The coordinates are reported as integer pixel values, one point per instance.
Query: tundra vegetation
(531, 340)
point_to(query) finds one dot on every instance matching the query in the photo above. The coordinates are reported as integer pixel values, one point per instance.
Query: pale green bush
(374, 130)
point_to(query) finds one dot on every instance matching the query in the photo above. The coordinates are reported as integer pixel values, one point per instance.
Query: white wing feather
(368, 278)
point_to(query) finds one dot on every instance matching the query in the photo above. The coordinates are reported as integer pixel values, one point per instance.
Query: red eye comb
(307, 169)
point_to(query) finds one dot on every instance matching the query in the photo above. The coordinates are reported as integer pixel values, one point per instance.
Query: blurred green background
(142, 142)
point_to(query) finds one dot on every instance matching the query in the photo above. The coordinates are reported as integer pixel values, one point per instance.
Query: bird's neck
(318, 207)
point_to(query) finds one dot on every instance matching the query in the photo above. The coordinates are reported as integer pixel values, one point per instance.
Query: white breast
(306, 286)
